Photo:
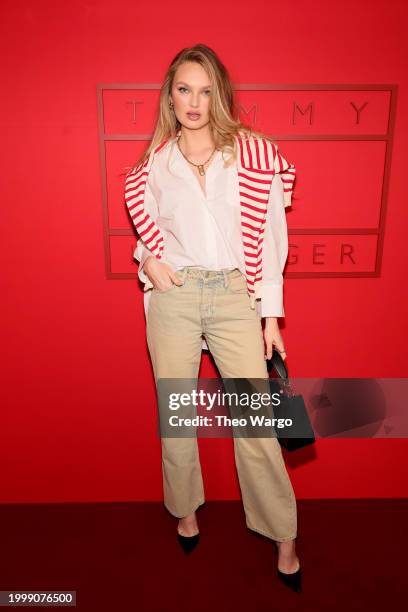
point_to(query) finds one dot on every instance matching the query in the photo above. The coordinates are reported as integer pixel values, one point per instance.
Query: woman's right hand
(160, 274)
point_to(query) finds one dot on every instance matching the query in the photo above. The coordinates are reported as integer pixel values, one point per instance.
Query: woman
(207, 199)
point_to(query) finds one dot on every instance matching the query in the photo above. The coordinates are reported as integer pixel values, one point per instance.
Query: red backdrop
(78, 401)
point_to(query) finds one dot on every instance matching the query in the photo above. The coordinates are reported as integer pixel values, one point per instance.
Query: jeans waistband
(203, 273)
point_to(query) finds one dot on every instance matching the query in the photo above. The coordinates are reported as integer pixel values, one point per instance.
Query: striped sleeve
(287, 173)
(142, 252)
(135, 188)
(143, 210)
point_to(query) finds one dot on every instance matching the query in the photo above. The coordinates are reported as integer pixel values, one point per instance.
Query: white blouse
(204, 230)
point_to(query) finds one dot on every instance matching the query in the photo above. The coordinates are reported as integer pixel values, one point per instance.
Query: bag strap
(278, 364)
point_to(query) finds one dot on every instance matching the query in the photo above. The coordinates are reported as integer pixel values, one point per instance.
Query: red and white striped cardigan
(258, 161)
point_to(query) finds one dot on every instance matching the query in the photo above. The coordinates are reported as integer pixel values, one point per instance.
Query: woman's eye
(207, 92)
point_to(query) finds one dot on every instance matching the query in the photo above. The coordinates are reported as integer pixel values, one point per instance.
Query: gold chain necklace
(199, 166)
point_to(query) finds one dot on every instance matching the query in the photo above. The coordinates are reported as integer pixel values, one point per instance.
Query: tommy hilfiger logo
(338, 136)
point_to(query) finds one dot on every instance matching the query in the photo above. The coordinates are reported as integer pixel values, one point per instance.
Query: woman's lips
(193, 116)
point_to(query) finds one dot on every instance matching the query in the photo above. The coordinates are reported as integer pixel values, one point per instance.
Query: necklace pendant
(201, 170)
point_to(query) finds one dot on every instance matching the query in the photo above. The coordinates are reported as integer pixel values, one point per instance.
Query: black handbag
(291, 406)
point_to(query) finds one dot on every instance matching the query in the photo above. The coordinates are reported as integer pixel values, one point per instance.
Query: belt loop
(225, 278)
(184, 274)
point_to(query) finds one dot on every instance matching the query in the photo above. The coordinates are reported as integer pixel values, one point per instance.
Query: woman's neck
(196, 142)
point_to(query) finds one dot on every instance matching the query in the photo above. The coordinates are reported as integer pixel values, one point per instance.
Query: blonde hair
(224, 122)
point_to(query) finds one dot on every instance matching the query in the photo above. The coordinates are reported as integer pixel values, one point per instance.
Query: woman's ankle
(188, 525)
(189, 518)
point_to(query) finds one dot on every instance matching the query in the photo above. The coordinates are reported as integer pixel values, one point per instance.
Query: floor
(125, 557)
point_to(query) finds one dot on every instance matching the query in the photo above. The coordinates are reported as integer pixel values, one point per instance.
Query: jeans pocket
(161, 291)
(169, 289)
(237, 284)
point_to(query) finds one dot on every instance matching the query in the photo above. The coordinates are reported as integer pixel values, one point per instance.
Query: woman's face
(190, 94)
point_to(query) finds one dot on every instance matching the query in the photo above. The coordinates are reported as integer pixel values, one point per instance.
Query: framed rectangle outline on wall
(388, 138)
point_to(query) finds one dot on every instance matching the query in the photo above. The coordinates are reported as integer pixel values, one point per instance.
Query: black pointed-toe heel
(188, 543)
(292, 580)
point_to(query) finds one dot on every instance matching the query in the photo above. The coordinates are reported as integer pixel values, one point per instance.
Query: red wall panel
(78, 420)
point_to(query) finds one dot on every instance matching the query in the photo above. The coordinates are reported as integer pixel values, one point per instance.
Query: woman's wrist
(271, 321)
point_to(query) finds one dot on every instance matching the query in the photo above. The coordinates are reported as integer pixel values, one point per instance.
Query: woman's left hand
(272, 337)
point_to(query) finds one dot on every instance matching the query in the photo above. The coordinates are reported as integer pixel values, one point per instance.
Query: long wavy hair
(224, 123)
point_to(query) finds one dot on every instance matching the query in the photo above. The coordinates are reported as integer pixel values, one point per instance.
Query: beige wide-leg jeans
(216, 304)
